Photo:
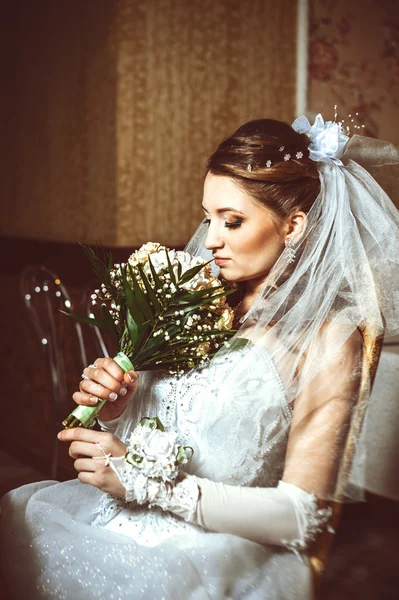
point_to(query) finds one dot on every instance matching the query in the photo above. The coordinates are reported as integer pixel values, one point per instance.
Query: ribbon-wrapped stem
(85, 416)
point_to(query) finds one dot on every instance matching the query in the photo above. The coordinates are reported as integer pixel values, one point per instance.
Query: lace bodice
(234, 414)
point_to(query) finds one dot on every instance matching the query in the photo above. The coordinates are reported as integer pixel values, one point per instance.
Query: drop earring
(290, 249)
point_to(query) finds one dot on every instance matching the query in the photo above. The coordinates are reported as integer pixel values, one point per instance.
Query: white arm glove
(285, 515)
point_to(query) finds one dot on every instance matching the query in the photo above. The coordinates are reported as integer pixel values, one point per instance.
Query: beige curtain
(119, 103)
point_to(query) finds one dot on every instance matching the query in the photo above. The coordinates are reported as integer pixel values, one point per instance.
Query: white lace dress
(70, 540)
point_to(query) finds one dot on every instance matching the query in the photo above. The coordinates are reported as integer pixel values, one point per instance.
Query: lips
(219, 260)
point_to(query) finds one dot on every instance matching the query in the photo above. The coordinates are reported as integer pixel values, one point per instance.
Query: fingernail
(113, 396)
(132, 379)
(122, 391)
(93, 400)
(59, 435)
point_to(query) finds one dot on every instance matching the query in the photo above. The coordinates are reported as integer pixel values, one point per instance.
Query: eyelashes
(233, 224)
(229, 224)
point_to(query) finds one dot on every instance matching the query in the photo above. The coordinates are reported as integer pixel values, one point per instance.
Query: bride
(310, 241)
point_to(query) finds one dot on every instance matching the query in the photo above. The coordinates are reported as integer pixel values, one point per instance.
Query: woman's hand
(90, 449)
(107, 380)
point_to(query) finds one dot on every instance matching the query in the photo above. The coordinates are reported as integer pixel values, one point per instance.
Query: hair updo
(269, 161)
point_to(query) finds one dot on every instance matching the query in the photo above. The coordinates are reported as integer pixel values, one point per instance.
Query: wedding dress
(69, 540)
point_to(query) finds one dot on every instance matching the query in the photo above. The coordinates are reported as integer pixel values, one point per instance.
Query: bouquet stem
(84, 416)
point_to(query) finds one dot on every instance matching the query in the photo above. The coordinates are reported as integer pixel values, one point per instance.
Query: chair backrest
(45, 295)
(320, 550)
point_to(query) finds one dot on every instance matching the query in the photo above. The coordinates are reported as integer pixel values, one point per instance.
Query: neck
(250, 290)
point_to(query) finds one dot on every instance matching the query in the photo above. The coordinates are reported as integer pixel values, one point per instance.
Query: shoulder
(336, 341)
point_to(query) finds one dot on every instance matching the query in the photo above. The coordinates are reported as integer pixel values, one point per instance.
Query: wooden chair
(320, 550)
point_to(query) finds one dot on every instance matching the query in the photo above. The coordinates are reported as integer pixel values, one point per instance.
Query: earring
(290, 249)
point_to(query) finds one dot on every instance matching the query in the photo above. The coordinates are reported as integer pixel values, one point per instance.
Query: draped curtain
(117, 105)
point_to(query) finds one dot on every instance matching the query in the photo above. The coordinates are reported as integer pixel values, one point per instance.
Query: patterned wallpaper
(354, 63)
(117, 105)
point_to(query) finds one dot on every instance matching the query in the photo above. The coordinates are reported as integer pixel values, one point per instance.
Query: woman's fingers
(109, 384)
(131, 379)
(98, 390)
(107, 381)
(78, 449)
(92, 451)
(88, 442)
(104, 479)
(85, 399)
(108, 365)
(87, 435)
(85, 464)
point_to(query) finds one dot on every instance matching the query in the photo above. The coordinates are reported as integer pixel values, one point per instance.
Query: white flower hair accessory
(328, 139)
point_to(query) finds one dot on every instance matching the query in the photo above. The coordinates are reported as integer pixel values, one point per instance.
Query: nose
(213, 239)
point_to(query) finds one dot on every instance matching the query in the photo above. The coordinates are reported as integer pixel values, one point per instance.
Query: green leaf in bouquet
(171, 349)
(157, 282)
(112, 328)
(207, 292)
(212, 332)
(179, 269)
(170, 270)
(150, 291)
(141, 298)
(154, 345)
(144, 331)
(182, 457)
(188, 275)
(131, 301)
(132, 328)
(190, 361)
(191, 307)
(134, 459)
(110, 262)
(89, 320)
(152, 423)
(100, 267)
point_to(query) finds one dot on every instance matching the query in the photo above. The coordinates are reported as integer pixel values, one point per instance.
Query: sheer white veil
(344, 280)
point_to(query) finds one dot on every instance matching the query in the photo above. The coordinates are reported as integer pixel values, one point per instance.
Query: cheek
(259, 252)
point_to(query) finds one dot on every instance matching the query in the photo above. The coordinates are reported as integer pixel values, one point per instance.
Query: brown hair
(288, 184)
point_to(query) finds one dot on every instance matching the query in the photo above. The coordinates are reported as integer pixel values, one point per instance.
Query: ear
(296, 225)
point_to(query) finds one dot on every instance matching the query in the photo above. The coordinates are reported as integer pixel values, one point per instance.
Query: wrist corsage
(151, 467)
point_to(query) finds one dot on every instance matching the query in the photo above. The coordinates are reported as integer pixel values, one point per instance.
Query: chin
(228, 277)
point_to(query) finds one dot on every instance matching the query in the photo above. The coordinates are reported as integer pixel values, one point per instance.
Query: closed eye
(229, 224)
(233, 224)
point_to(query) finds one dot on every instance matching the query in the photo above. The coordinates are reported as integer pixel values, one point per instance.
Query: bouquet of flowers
(165, 309)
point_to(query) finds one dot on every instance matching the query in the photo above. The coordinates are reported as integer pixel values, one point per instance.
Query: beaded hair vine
(286, 157)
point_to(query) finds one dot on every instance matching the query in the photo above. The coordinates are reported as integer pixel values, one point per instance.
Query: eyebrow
(227, 208)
